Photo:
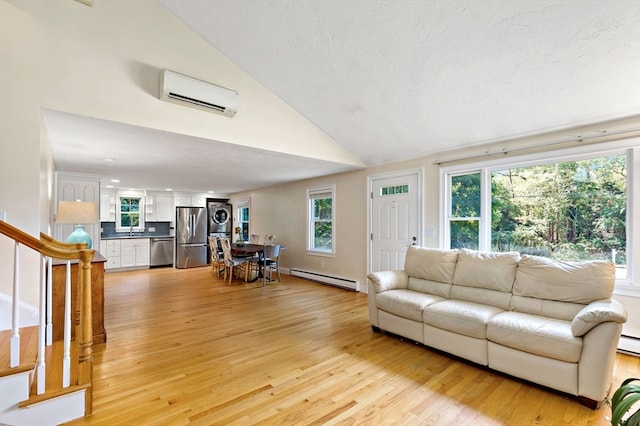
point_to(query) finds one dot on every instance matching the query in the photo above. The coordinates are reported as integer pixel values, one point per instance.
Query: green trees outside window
(322, 224)
(574, 210)
(130, 212)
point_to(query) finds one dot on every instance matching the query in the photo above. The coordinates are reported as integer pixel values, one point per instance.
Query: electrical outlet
(152, 229)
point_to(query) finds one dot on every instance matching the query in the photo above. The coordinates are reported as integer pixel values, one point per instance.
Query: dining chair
(270, 262)
(231, 262)
(269, 240)
(217, 262)
(254, 238)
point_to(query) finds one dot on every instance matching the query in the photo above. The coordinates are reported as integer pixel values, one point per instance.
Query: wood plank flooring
(184, 348)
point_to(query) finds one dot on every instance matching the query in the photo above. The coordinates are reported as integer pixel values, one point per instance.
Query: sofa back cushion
(430, 287)
(577, 282)
(431, 264)
(493, 271)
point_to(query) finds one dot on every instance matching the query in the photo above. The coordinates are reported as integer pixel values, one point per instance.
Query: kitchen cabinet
(165, 212)
(111, 250)
(73, 187)
(159, 208)
(135, 252)
(107, 207)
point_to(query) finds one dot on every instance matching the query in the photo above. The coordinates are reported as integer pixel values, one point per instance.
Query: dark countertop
(126, 237)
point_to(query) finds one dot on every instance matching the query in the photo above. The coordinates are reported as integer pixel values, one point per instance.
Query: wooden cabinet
(58, 279)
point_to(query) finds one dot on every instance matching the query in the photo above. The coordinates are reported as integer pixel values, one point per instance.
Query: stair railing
(49, 249)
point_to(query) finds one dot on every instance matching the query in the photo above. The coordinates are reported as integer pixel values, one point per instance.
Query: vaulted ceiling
(393, 80)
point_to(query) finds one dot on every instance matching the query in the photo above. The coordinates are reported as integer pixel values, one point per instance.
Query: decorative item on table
(78, 213)
(239, 240)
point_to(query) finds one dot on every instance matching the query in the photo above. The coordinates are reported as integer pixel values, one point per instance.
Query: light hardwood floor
(185, 348)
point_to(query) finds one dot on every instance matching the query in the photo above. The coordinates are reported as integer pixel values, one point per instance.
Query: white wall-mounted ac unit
(189, 91)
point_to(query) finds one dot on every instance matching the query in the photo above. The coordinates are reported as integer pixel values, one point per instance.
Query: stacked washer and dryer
(220, 219)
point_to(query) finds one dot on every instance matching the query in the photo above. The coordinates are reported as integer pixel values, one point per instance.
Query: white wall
(281, 210)
(104, 62)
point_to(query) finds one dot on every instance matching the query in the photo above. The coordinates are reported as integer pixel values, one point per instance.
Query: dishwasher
(162, 251)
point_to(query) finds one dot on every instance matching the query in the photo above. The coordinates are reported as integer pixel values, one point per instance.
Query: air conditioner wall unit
(189, 91)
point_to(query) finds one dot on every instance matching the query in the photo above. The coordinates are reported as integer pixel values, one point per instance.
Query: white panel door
(394, 220)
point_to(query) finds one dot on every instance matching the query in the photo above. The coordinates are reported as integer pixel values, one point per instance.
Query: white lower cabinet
(135, 252)
(126, 253)
(111, 250)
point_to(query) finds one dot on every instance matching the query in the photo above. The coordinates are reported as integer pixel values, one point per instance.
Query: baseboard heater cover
(345, 283)
(629, 345)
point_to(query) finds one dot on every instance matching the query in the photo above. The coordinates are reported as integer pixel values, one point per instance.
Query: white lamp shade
(77, 212)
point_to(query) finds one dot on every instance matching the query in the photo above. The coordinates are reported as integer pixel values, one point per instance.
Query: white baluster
(41, 366)
(15, 318)
(66, 359)
(49, 302)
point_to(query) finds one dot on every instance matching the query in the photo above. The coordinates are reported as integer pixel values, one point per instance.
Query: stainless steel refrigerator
(191, 237)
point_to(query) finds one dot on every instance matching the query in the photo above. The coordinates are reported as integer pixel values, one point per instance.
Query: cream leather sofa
(548, 322)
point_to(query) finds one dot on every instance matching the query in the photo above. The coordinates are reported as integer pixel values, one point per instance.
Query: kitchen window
(130, 213)
(321, 215)
(574, 207)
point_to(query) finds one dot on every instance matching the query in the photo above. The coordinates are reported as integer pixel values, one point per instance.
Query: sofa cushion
(388, 280)
(548, 337)
(458, 316)
(494, 271)
(405, 303)
(431, 287)
(578, 282)
(431, 264)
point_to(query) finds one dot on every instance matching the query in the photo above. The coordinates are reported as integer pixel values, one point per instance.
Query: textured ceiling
(391, 80)
(386, 80)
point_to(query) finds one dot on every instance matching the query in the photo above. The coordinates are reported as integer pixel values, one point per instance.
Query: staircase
(46, 382)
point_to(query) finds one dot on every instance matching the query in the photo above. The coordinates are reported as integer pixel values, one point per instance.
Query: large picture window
(321, 215)
(570, 209)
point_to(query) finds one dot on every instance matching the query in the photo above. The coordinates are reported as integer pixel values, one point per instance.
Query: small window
(321, 220)
(130, 213)
(243, 219)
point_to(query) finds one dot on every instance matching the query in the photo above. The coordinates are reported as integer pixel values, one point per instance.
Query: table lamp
(78, 213)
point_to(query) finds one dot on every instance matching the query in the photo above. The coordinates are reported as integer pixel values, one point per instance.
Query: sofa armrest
(597, 312)
(389, 280)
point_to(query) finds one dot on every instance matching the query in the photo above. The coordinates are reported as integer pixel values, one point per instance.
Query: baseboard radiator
(629, 345)
(345, 283)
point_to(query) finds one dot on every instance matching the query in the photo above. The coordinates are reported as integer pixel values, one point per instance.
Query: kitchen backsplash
(151, 229)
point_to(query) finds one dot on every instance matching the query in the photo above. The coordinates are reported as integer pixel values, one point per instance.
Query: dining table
(246, 250)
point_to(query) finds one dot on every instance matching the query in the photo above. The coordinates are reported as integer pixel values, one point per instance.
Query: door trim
(419, 173)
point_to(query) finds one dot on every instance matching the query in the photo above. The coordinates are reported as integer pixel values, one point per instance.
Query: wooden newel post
(85, 335)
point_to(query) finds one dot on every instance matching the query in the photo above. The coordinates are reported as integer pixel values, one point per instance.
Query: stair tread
(28, 350)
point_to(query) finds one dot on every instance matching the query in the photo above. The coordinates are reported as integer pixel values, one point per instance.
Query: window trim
(130, 194)
(630, 147)
(310, 193)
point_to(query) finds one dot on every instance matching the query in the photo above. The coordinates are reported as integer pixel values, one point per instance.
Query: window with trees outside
(130, 213)
(570, 209)
(243, 219)
(321, 215)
